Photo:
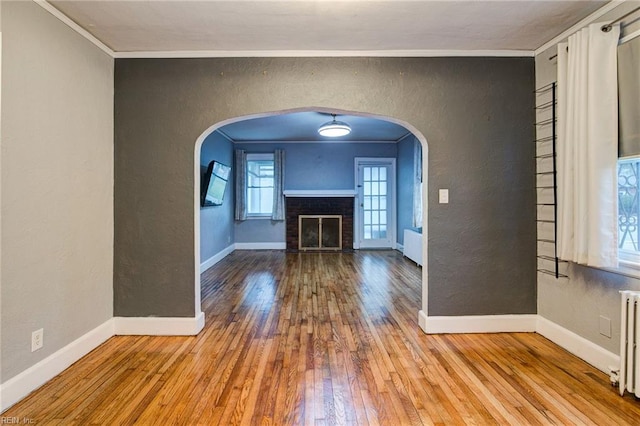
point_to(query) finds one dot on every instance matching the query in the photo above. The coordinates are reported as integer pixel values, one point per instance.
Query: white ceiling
(322, 27)
(325, 25)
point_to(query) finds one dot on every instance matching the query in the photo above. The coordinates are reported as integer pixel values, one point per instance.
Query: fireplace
(315, 205)
(319, 232)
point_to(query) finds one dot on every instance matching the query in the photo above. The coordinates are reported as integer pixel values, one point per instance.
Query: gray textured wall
(476, 114)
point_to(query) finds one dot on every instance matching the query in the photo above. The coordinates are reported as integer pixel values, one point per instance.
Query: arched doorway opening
(197, 177)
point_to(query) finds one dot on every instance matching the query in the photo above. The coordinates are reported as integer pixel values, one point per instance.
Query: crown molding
(321, 53)
(586, 21)
(417, 53)
(224, 135)
(77, 28)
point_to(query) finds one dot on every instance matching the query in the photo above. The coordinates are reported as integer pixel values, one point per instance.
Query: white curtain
(587, 147)
(417, 184)
(240, 212)
(278, 185)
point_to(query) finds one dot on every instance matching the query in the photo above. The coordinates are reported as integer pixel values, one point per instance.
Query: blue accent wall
(326, 165)
(404, 192)
(311, 166)
(216, 222)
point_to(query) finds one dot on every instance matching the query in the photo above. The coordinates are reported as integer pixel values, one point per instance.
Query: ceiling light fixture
(334, 129)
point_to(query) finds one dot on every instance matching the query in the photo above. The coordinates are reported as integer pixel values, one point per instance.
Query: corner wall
(57, 185)
(577, 302)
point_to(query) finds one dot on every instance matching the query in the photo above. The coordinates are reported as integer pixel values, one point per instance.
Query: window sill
(626, 268)
(259, 217)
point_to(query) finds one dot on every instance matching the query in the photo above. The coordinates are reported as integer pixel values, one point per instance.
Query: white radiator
(413, 246)
(629, 376)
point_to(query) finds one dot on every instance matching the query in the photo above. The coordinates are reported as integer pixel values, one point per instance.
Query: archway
(196, 195)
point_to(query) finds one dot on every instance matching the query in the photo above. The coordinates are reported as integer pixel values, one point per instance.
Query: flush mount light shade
(334, 129)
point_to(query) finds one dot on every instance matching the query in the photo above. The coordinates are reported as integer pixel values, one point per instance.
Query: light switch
(444, 196)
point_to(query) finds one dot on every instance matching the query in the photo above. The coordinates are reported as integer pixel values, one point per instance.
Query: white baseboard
(216, 258)
(261, 246)
(422, 320)
(399, 247)
(479, 324)
(158, 326)
(32, 378)
(584, 349)
(595, 355)
(18, 387)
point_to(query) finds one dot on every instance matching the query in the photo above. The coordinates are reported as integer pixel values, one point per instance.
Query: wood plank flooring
(325, 339)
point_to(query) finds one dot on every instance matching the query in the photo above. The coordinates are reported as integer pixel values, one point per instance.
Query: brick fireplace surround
(319, 205)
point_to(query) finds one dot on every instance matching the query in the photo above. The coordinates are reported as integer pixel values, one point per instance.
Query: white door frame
(392, 225)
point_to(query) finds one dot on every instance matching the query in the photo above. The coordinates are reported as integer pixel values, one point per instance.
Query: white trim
(158, 326)
(417, 53)
(584, 349)
(216, 258)
(267, 156)
(399, 247)
(588, 351)
(261, 246)
(358, 212)
(629, 37)
(75, 27)
(320, 193)
(18, 387)
(586, 21)
(422, 317)
(402, 53)
(481, 324)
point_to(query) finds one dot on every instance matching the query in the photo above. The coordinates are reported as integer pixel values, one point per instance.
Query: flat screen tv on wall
(214, 184)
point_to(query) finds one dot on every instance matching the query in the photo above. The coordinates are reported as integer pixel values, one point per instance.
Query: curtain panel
(417, 184)
(240, 212)
(278, 185)
(587, 147)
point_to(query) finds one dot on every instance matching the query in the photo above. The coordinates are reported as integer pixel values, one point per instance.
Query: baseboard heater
(629, 375)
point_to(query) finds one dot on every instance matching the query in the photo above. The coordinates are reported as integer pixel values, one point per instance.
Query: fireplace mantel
(327, 193)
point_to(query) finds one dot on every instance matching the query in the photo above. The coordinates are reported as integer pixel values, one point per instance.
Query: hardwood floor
(325, 339)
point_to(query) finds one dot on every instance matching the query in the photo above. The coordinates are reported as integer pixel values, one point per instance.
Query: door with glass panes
(375, 203)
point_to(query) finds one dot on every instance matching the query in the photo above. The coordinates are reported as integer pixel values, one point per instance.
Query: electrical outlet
(605, 326)
(37, 340)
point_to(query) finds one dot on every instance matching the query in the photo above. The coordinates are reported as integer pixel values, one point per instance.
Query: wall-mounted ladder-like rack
(546, 131)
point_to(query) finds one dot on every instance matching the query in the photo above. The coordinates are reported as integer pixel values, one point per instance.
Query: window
(628, 211)
(629, 150)
(260, 185)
